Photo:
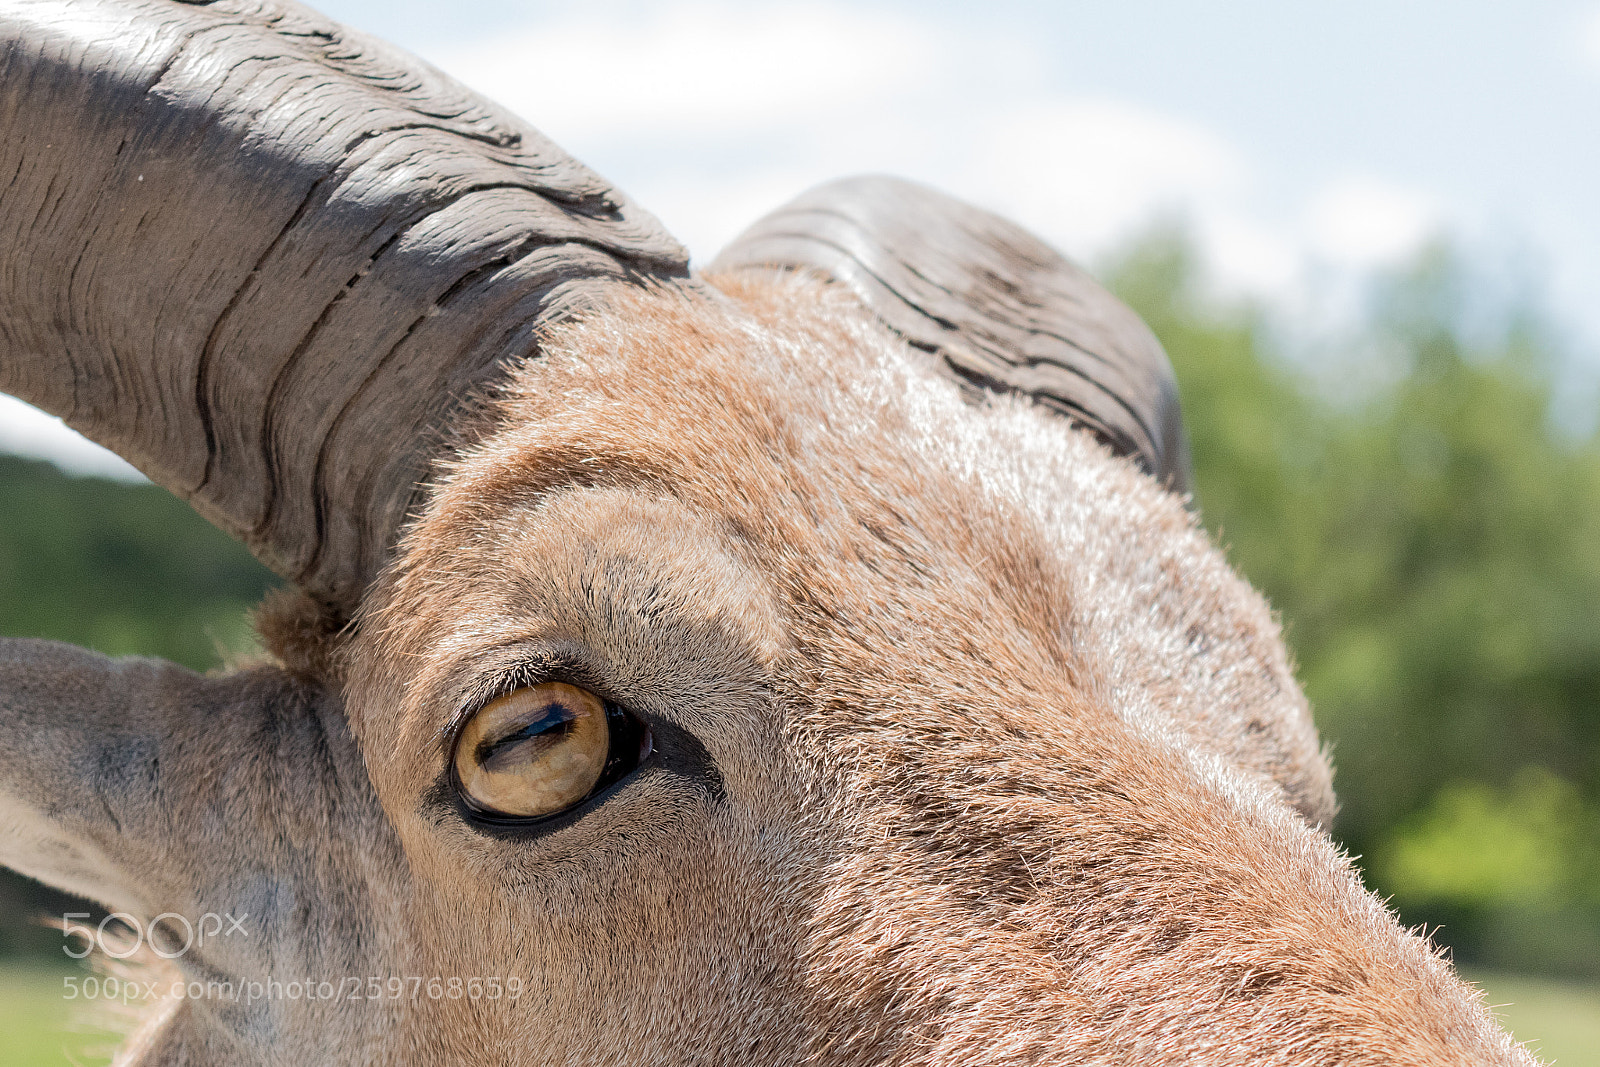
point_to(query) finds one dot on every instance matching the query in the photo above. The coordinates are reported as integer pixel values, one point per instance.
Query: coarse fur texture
(970, 749)
(993, 759)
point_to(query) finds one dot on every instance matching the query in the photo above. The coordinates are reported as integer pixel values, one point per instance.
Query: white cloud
(1249, 255)
(27, 431)
(1085, 171)
(695, 67)
(711, 114)
(1589, 37)
(1364, 222)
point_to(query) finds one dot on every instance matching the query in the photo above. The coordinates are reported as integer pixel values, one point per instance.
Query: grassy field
(38, 1028)
(1559, 1020)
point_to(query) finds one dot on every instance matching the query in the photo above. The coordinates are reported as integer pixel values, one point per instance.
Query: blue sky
(1306, 145)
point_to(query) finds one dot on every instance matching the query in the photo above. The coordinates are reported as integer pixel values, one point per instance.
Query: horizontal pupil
(557, 721)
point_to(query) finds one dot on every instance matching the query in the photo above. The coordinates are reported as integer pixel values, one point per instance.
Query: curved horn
(1002, 310)
(264, 258)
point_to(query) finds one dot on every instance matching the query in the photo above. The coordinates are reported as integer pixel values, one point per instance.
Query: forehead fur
(879, 510)
(986, 707)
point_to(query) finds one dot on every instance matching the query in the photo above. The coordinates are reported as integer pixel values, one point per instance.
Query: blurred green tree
(124, 569)
(1432, 542)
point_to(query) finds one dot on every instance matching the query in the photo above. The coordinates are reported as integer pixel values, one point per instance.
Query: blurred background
(1367, 235)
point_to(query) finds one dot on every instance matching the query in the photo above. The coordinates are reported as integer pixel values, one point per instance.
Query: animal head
(810, 660)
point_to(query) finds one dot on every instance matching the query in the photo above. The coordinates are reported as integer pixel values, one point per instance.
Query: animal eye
(543, 748)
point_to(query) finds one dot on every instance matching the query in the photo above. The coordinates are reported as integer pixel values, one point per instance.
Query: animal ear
(267, 259)
(136, 782)
(1000, 309)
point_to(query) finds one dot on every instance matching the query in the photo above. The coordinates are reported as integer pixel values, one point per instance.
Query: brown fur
(1013, 767)
(974, 749)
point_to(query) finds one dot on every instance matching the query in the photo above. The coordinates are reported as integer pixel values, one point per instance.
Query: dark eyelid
(678, 757)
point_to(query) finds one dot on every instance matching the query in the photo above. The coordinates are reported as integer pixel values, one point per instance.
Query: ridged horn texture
(1001, 309)
(264, 258)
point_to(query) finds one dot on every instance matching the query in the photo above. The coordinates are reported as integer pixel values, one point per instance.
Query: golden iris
(534, 751)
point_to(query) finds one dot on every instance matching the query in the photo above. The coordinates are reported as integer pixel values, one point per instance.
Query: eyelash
(508, 681)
